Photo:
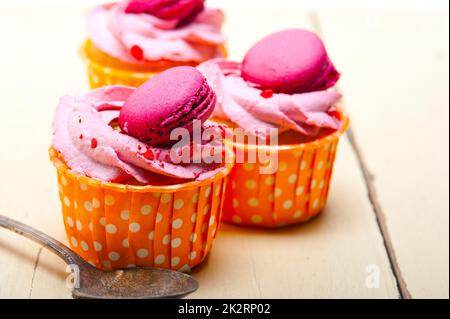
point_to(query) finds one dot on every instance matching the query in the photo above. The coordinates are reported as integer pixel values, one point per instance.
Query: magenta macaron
(290, 61)
(166, 9)
(172, 99)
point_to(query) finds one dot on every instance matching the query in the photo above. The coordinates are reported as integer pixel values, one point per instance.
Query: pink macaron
(172, 99)
(166, 9)
(290, 61)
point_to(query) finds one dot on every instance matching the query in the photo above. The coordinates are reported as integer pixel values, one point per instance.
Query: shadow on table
(31, 259)
(236, 235)
(313, 225)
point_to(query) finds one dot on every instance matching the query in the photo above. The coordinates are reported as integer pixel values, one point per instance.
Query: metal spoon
(142, 283)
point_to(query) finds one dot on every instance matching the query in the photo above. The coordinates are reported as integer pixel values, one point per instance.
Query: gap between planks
(38, 257)
(372, 194)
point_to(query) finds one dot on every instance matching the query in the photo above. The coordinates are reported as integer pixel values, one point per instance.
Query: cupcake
(287, 121)
(130, 41)
(130, 195)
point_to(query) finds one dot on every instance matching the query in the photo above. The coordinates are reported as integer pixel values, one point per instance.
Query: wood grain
(328, 257)
(396, 87)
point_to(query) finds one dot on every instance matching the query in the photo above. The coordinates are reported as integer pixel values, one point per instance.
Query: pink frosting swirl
(118, 33)
(259, 111)
(90, 146)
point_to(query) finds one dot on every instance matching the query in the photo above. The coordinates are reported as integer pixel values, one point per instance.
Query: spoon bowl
(136, 283)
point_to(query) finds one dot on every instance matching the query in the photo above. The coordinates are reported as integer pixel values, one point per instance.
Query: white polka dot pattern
(177, 223)
(69, 221)
(142, 253)
(295, 192)
(166, 239)
(256, 219)
(175, 261)
(178, 204)
(109, 200)
(88, 206)
(98, 246)
(125, 214)
(111, 229)
(160, 259)
(95, 203)
(120, 228)
(114, 256)
(146, 210)
(74, 241)
(134, 227)
(66, 201)
(176, 242)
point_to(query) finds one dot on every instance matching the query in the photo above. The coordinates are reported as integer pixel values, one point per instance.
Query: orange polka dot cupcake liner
(296, 191)
(104, 70)
(115, 226)
(100, 75)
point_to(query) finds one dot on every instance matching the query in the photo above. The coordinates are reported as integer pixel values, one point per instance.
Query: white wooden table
(385, 231)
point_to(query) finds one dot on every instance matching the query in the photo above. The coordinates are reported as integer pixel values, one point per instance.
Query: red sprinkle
(93, 143)
(81, 136)
(267, 94)
(148, 154)
(335, 114)
(137, 52)
(79, 120)
(139, 147)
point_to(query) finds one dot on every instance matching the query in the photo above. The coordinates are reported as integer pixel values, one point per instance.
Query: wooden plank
(15, 261)
(39, 64)
(325, 258)
(395, 78)
(314, 259)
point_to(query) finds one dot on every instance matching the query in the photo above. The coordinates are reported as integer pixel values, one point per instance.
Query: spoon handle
(60, 249)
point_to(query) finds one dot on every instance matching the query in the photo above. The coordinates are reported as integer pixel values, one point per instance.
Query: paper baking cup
(103, 70)
(115, 226)
(295, 193)
(100, 75)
